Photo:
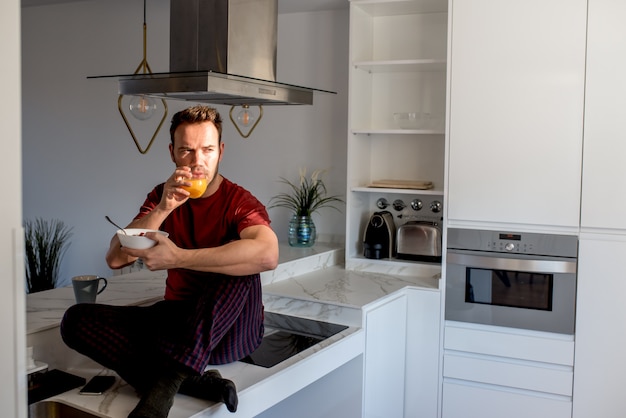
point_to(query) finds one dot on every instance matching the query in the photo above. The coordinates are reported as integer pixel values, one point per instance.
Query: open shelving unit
(398, 51)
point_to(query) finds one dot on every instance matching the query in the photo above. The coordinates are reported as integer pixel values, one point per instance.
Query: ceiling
(284, 6)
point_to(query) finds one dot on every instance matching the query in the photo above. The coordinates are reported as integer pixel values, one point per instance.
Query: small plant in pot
(303, 199)
(45, 243)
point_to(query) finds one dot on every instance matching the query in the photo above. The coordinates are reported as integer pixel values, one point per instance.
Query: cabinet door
(516, 111)
(385, 347)
(422, 353)
(599, 365)
(604, 171)
(474, 401)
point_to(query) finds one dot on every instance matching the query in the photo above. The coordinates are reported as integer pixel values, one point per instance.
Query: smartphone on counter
(97, 385)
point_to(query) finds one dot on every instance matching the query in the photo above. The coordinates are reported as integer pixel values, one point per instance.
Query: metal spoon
(113, 223)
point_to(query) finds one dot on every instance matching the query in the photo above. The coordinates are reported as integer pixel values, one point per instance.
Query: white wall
(12, 326)
(79, 161)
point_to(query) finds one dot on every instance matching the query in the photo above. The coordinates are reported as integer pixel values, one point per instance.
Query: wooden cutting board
(403, 184)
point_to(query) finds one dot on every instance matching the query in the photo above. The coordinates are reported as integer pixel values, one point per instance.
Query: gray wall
(79, 161)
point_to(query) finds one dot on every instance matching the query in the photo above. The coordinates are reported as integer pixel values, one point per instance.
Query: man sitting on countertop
(212, 312)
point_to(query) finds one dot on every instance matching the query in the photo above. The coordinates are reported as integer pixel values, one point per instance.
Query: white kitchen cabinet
(476, 401)
(401, 360)
(385, 349)
(600, 367)
(604, 171)
(517, 73)
(421, 395)
(599, 363)
(334, 395)
(398, 51)
(494, 372)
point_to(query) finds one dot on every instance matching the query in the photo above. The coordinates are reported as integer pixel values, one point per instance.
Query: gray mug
(86, 288)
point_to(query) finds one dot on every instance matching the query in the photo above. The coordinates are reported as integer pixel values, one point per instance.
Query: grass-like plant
(45, 244)
(305, 197)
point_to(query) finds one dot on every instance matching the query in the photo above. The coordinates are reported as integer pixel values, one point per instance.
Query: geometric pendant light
(245, 120)
(142, 107)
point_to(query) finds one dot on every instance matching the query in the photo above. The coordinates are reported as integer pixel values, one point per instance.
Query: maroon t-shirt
(205, 223)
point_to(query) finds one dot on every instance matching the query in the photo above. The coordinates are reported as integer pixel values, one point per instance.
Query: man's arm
(172, 197)
(115, 258)
(256, 251)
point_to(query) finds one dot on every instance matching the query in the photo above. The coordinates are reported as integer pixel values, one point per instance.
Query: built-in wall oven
(509, 279)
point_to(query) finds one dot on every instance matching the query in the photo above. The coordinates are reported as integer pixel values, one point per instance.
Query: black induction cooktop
(286, 336)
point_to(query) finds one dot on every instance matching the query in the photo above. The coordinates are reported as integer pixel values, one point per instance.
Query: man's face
(196, 145)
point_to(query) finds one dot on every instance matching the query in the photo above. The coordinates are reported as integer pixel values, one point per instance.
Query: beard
(212, 179)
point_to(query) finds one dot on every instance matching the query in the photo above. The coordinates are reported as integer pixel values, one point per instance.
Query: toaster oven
(419, 241)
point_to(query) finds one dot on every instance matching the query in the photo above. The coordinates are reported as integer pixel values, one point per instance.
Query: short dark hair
(196, 114)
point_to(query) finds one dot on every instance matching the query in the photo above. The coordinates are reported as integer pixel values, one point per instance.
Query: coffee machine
(380, 236)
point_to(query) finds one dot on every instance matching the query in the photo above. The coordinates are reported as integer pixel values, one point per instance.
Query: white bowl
(134, 238)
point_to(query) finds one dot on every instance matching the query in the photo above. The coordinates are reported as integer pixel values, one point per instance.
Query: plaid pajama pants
(223, 325)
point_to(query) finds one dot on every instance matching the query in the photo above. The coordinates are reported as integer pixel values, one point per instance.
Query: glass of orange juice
(198, 182)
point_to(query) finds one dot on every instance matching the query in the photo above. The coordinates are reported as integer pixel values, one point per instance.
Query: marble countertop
(44, 310)
(338, 286)
(309, 282)
(334, 294)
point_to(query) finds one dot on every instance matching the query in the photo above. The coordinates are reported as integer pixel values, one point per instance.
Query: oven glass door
(514, 289)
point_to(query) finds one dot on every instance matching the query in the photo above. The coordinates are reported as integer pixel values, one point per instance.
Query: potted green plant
(45, 243)
(303, 199)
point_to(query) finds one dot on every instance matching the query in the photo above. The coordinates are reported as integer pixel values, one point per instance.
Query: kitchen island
(309, 283)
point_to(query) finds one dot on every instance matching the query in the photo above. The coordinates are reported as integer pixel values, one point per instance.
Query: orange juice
(197, 188)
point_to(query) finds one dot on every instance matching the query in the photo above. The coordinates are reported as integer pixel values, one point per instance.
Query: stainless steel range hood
(221, 52)
(217, 88)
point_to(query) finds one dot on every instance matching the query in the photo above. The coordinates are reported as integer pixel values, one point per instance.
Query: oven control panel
(513, 242)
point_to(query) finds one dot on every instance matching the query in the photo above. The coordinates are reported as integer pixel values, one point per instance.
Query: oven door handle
(513, 264)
